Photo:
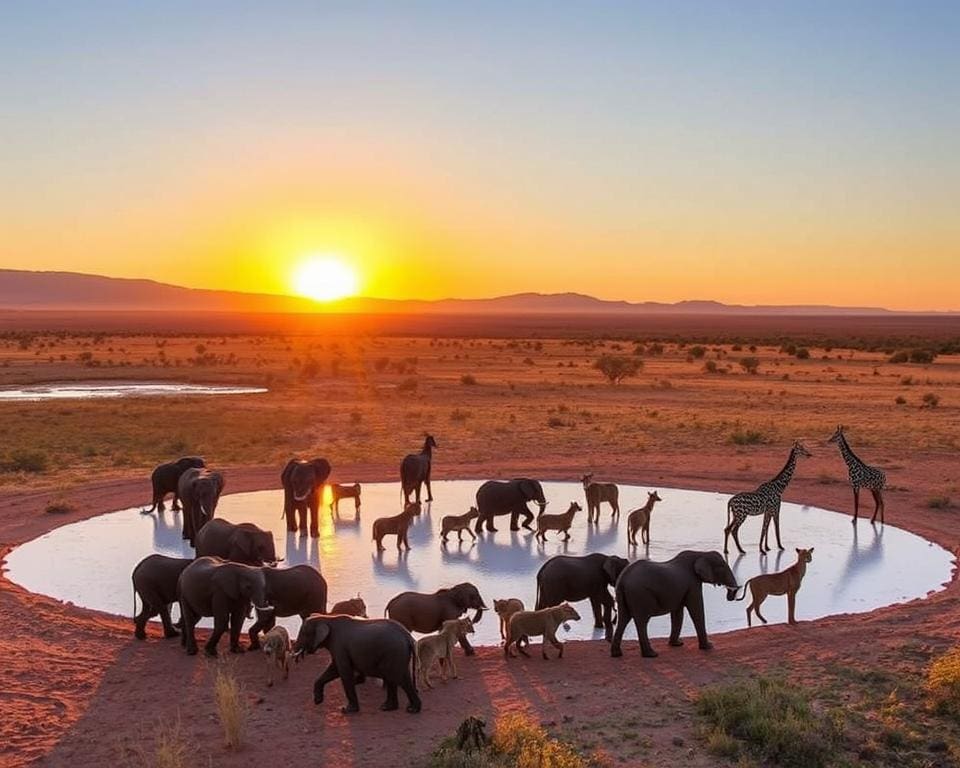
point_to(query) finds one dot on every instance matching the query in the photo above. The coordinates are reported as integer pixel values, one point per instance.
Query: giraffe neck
(851, 459)
(782, 480)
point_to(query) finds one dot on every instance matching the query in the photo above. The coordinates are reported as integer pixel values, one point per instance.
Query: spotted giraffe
(862, 475)
(763, 501)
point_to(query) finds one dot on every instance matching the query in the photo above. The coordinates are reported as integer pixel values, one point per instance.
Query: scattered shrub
(901, 400)
(232, 707)
(750, 364)
(468, 380)
(697, 352)
(770, 719)
(407, 385)
(922, 356)
(803, 353)
(616, 368)
(27, 461)
(458, 415)
(59, 506)
(710, 366)
(939, 502)
(930, 400)
(943, 683)
(746, 437)
(899, 357)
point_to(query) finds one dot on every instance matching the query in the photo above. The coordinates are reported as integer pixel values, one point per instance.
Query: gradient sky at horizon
(750, 152)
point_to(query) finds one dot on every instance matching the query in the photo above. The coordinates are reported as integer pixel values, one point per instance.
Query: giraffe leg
(764, 533)
(878, 505)
(856, 502)
(735, 531)
(776, 527)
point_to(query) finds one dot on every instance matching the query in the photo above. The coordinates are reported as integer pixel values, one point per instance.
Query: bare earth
(78, 690)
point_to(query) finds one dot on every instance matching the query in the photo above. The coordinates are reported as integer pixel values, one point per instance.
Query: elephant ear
(529, 489)
(703, 569)
(285, 475)
(225, 579)
(612, 568)
(321, 631)
(221, 482)
(242, 548)
(322, 468)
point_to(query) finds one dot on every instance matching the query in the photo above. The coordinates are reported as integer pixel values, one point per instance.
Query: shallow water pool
(84, 391)
(854, 569)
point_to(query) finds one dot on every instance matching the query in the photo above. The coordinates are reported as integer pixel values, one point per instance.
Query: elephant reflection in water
(302, 550)
(602, 540)
(394, 571)
(167, 535)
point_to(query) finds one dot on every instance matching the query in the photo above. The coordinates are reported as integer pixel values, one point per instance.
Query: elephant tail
(134, 585)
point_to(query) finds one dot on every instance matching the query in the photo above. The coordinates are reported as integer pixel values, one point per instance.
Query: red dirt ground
(76, 689)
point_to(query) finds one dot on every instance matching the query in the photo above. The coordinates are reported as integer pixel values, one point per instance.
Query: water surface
(85, 391)
(855, 568)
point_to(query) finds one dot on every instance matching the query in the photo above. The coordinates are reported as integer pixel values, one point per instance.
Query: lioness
(783, 583)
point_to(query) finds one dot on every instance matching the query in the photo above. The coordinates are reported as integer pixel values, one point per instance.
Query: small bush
(939, 502)
(930, 400)
(746, 437)
(408, 385)
(899, 357)
(922, 356)
(59, 506)
(710, 366)
(697, 352)
(458, 415)
(770, 719)
(468, 380)
(616, 368)
(803, 353)
(901, 400)
(172, 749)
(232, 708)
(750, 364)
(27, 461)
(943, 683)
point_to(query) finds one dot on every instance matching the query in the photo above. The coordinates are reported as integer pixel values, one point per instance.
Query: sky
(749, 152)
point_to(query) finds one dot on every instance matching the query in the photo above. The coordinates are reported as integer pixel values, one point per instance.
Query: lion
(439, 648)
(543, 622)
(783, 583)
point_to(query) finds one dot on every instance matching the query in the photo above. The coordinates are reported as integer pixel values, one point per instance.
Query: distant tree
(802, 353)
(697, 352)
(749, 364)
(616, 368)
(924, 356)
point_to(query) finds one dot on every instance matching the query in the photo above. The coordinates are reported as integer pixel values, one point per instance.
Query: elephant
(165, 478)
(646, 588)
(297, 591)
(421, 612)
(497, 497)
(199, 490)
(155, 581)
(566, 578)
(302, 489)
(359, 647)
(213, 587)
(415, 471)
(238, 542)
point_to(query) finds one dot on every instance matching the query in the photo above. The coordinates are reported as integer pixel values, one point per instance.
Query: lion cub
(439, 647)
(543, 622)
(783, 583)
(352, 607)
(276, 649)
(505, 609)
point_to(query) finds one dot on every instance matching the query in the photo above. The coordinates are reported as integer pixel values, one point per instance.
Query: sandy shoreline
(86, 691)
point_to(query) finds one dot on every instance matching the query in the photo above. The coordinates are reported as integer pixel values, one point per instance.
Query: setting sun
(325, 278)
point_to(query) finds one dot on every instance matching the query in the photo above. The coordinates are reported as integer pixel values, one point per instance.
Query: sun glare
(325, 278)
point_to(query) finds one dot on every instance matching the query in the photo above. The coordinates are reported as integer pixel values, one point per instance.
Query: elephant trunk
(479, 614)
(301, 496)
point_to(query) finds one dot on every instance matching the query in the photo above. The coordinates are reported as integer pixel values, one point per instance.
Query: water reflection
(84, 391)
(852, 569)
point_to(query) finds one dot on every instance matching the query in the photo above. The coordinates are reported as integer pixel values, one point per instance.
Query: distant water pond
(84, 391)
(855, 568)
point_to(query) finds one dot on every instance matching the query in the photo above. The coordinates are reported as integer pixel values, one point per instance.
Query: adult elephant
(646, 588)
(510, 497)
(423, 612)
(566, 578)
(297, 591)
(155, 582)
(199, 490)
(302, 490)
(358, 648)
(213, 587)
(165, 479)
(239, 542)
(415, 471)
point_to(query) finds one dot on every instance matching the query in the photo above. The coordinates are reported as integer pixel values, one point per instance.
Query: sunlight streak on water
(79, 391)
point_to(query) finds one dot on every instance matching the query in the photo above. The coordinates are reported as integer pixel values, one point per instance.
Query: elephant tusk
(265, 608)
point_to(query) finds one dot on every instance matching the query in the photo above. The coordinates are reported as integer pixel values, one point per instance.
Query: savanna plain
(712, 407)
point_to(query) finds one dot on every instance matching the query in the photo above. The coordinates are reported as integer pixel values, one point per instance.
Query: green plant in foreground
(769, 720)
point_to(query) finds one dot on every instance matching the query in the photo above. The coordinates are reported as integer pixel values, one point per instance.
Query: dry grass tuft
(232, 707)
(943, 683)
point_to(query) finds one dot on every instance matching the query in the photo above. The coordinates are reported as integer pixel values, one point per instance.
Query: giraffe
(763, 501)
(862, 475)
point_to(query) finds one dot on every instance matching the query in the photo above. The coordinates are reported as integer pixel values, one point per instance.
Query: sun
(325, 277)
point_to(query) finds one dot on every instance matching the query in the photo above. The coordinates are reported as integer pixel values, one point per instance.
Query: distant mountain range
(25, 290)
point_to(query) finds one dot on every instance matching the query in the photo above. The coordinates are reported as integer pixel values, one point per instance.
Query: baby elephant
(155, 581)
(276, 648)
(458, 523)
(785, 582)
(439, 648)
(543, 622)
(352, 607)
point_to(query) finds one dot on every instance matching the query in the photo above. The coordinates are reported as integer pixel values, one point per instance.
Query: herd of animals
(235, 572)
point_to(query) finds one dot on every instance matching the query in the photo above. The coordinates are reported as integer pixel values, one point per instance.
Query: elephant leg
(410, 690)
(329, 675)
(465, 644)
(236, 625)
(514, 517)
(646, 650)
(391, 703)
(315, 519)
(349, 688)
(527, 519)
(188, 639)
(168, 628)
(175, 506)
(220, 621)
(695, 609)
(597, 612)
(608, 606)
(676, 624)
(141, 619)
(264, 623)
(623, 617)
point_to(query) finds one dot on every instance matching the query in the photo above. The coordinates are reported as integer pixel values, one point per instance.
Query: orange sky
(636, 157)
